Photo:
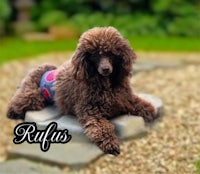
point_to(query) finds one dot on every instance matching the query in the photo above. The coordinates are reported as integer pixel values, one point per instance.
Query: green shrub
(131, 17)
(129, 25)
(178, 17)
(185, 26)
(171, 8)
(86, 21)
(52, 18)
(138, 24)
(5, 12)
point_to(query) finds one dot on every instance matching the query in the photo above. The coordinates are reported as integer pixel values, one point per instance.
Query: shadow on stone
(24, 166)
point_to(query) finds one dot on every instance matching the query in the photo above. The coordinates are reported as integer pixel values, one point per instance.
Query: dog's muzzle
(105, 68)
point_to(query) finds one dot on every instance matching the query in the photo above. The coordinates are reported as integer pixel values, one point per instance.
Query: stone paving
(79, 151)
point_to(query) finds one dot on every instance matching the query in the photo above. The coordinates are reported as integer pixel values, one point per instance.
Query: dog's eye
(116, 59)
(111, 55)
(92, 58)
(87, 54)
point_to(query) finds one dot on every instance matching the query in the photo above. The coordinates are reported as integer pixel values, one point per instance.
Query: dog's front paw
(12, 114)
(110, 146)
(150, 115)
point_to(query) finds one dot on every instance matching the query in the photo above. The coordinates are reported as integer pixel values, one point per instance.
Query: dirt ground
(172, 147)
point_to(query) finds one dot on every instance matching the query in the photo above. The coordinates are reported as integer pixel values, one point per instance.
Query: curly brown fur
(94, 86)
(28, 95)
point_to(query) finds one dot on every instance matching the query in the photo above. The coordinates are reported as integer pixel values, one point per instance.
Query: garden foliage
(5, 12)
(131, 17)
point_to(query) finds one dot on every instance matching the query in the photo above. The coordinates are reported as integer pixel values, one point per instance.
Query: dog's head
(102, 51)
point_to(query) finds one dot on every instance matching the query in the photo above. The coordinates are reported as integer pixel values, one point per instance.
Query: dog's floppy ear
(129, 57)
(79, 65)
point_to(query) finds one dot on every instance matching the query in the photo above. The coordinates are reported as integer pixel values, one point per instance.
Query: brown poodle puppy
(94, 86)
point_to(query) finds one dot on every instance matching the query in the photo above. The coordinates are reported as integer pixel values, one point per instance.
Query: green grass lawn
(174, 44)
(15, 48)
(198, 166)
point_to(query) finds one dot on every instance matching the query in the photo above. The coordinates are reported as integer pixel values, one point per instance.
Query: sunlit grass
(198, 166)
(15, 48)
(174, 44)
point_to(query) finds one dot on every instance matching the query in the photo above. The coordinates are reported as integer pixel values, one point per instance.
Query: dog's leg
(138, 106)
(28, 95)
(100, 131)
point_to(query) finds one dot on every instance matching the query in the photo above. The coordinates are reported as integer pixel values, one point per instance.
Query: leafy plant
(129, 25)
(131, 17)
(52, 18)
(185, 26)
(5, 12)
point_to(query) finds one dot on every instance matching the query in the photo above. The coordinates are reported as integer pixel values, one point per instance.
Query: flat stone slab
(72, 154)
(129, 126)
(126, 126)
(46, 114)
(147, 66)
(155, 101)
(80, 150)
(23, 166)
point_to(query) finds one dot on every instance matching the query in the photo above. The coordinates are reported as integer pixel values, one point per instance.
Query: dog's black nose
(105, 69)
